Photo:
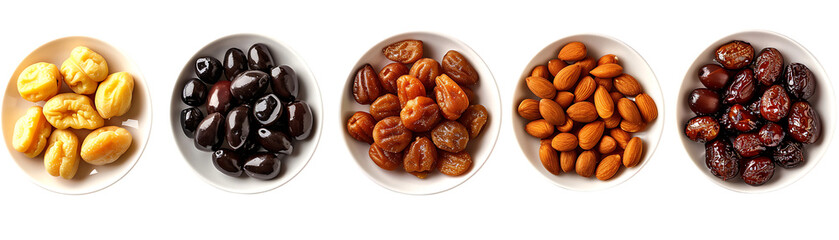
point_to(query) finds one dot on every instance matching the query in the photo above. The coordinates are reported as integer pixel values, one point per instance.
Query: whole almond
(606, 59)
(646, 106)
(585, 88)
(632, 126)
(539, 128)
(583, 112)
(587, 64)
(565, 99)
(590, 135)
(541, 87)
(628, 111)
(564, 142)
(567, 127)
(627, 85)
(529, 109)
(613, 121)
(605, 82)
(541, 71)
(568, 160)
(573, 51)
(616, 96)
(603, 103)
(607, 145)
(608, 70)
(554, 65)
(620, 136)
(632, 153)
(551, 112)
(608, 167)
(586, 163)
(567, 77)
(550, 159)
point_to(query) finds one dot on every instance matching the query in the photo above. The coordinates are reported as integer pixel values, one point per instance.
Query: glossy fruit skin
(420, 156)
(758, 171)
(384, 159)
(474, 119)
(264, 166)
(742, 89)
(237, 126)
(702, 129)
(748, 145)
(249, 84)
(457, 67)
(803, 123)
(771, 134)
(703, 101)
(260, 58)
(774, 104)
(391, 135)
(735, 54)
(194, 92)
(274, 141)
(768, 66)
(219, 100)
(235, 62)
(268, 110)
(405, 51)
(228, 162)
(284, 82)
(714, 77)
(451, 98)
(389, 74)
(721, 159)
(210, 133)
(789, 154)
(385, 106)
(800, 81)
(450, 136)
(208, 69)
(740, 119)
(190, 118)
(299, 117)
(420, 114)
(360, 127)
(366, 86)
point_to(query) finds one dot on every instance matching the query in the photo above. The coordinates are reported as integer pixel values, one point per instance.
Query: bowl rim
(662, 112)
(347, 84)
(827, 136)
(316, 137)
(150, 112)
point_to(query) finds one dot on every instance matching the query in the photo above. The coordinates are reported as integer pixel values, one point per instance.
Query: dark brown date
(420, 156)
(389, 74)
(366, 86)
(426, 70)
(391, 135)
(457, 67)
(721, 159)
(804, 124)
(714, 77)
(735, 54)
(454, 164)
(789, 154)
(771, 134)
(702, 129)
(405, 51)
(742, 89)
(768, 66)
(451, 98)
(360, 126)
(800, 81)
(758, 171)
(474, 119)
(450, 136)
(748, 145)
(384, 159)
(409, 88)
(703, 101)
(385, 106)
(740, 119)
(774, 104)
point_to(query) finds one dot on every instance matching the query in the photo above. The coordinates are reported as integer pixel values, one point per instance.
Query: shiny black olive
(237, 127)
(228, 162)
(299, 118)
(249, 84)
(219, 99)
(274, 141)
(264, 166)
(208, 69)
(268, 110)
(194, 92)
(235, 62)
(260, 58)
(284, 82)
(190, 118)
(209, 134)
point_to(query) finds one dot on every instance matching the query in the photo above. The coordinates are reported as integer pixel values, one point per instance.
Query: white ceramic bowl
(633, 64)
(823, 101)
(435, 46)
(137, 120)
(292, 164)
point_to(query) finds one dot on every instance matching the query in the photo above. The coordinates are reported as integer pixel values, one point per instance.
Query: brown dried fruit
(409, 88)
(608, 167)
(405, 51)
(450, 136)
(573, 51)
(457, 67)
(385, 106)
(384, 159)
(391, 135)
(451, 98)
(420, 114)
(454, 164)
(552, 112)
(389, 74)
(366, 86)
(420, 156)
(474, 119)
(529, 109)
(539, 128)
(360, 126)
(426, 70)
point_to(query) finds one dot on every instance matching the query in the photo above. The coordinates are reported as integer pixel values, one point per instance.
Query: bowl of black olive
(245, 113)
(756, 111)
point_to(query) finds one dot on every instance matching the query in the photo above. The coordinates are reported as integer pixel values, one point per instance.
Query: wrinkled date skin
(263, 166)
(800, 81)
(219, 100)
(360, 126)
(235, 62)
(268, 110)
(457, 67)
(284, 82)
(405, 51)
(702, 129)
(385, 106)
(209, 135)
(366, 86)
(190, 118)
(450, 136)
(721, 159)
(420, 114)
(474, 119)
(771, 134)
(758, 171)
(742, 89)
(748, 145)
(409, 88)
(228, 162)
(735, 55)
(274, 141)
(768, 66)
(299, 117)
(714, 77)
(426, 70)
(391, 135)
(774, 104)
(389, 74)
(194, 92)
(237, 126)
(249, 84)
(260, 58)
(454, 164)
(451, 98)
(386, 160)
(420, 156)
(804, 124)
(208, 69)
(740, 119)
(703, 101)
(789, 154)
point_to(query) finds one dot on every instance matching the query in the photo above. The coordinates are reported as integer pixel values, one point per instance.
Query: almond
(647, 107)
(608, 70)
(585, 88)
(564, 142)
(587, 64)
(616, 96)
(567, 127)
(605, 82)
(541, 71)
(554, 65)
(567, 77)
(550, 160)
(607, 145)
(539, 128)
(541, 87)
(608, 167)
(565, 99)
(632, 127)
(603, 103)
(629, 112)
(606, 59)
(583, 112)
(529, 109)
(573, 51)
(551, 112)
(568, 160)
(632, 153)
(590, 135)
(620, 136)
(613, 121)
(627, 85)
(586, 163)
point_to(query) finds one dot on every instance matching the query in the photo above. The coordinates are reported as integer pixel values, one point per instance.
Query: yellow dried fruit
(39, 82)
(113, 97)
(105, 145)
(72, 110)
(83, 70)
(31, 132)
(62, 155)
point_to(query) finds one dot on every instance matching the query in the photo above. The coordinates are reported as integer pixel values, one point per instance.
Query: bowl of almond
(588, 112)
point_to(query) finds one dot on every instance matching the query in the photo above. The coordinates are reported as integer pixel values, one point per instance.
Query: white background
(332, 198)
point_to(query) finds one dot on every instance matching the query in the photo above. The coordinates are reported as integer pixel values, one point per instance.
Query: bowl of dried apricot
(421, 112)
(76, 115)
(756, 111)
(588, 112)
